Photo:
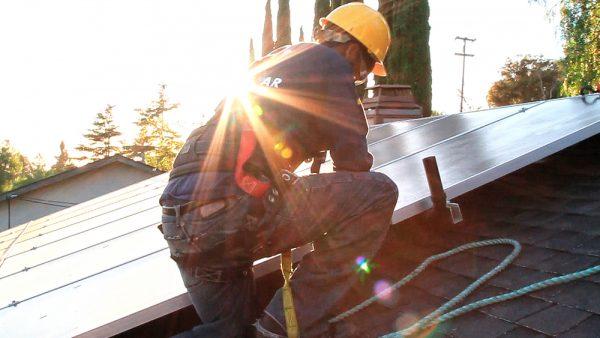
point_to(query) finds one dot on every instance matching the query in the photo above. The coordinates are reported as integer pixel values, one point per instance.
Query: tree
(284, 31)
(322, 8)
(156, 143)
(101, 137)
(408, 60)
(267, 36)
(580, 25)
(11, 166)
(301, 35)
(16, 170)
(524, 80)
(63, 160)
(252, 57)
(32, 171)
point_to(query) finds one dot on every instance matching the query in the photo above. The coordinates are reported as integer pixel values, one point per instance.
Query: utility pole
(464, 55)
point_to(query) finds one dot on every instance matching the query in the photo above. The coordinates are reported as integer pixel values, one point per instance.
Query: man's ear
(353, 51)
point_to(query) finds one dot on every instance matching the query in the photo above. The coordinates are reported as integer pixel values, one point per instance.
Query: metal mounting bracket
(438, 195)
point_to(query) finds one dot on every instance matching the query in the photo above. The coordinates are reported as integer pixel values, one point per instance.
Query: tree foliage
(284, 31)
(156, 143)
(17, 170)
(524, 80)
(408, 60)
(322, 8)
(580, 25)
(63, 160)
(267, 36)
(11, 166)
(101, 138)
(32, 171)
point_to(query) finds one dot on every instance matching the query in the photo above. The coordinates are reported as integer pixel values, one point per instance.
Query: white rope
(442, 313)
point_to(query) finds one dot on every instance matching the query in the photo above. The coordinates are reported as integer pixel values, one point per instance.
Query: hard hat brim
(379, 69)
(323, 22)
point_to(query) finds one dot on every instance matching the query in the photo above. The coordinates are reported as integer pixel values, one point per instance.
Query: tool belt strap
(289, 311)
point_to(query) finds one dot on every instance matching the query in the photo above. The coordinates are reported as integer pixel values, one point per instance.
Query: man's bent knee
(387, 187)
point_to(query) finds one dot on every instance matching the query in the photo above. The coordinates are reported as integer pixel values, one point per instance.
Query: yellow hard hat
(367, 26)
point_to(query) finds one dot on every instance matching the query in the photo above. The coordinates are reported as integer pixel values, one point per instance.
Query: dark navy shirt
(307, 103)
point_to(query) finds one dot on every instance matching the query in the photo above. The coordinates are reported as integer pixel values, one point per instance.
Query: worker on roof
(231, 198)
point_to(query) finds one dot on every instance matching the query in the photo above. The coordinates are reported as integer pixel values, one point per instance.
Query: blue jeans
(345, 214)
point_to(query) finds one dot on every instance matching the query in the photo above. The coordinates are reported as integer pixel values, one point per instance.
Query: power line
(464, 56)
(50, 201)
(45, 203)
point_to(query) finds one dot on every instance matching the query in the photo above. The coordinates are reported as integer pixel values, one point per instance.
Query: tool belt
(205, 209)
(222, 275)
(205, 231)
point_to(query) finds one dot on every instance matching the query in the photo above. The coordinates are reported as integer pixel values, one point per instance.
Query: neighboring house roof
(78, 171)
(101, 267)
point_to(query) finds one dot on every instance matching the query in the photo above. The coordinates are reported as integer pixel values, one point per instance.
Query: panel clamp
(441, 205)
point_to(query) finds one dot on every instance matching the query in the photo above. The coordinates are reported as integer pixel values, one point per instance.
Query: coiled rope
(442, 313)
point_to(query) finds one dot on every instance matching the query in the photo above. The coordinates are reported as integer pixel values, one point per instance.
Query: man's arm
(346, 125)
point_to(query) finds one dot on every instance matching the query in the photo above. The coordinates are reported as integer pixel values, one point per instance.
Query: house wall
(76, 189)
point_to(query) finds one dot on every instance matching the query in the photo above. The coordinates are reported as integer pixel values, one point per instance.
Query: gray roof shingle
(552, 207)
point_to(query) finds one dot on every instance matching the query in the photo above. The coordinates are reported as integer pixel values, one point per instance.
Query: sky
(63, 61)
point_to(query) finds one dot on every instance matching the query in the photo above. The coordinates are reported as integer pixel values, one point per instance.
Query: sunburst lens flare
(363, 265)
(258, 111)
(287, 153)
(385, 295)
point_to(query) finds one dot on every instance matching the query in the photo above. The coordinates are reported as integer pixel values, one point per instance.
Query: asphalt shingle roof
(552, 207)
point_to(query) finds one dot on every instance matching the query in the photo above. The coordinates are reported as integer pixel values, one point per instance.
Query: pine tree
(101, 138)
(408, 60)
(63, 160)
(267, 36)
(156, 143)
(284, 31)
(252, 57)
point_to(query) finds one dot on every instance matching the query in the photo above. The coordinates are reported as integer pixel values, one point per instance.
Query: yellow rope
(291, 322)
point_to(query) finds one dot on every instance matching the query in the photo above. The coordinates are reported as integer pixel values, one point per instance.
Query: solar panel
(103, 264)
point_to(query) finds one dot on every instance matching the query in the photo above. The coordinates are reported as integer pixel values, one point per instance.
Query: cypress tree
(337, 3)
(322, 8)
(408, 60)
(301, 36)
(101, 137)
(267, 36)
(284, 31)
